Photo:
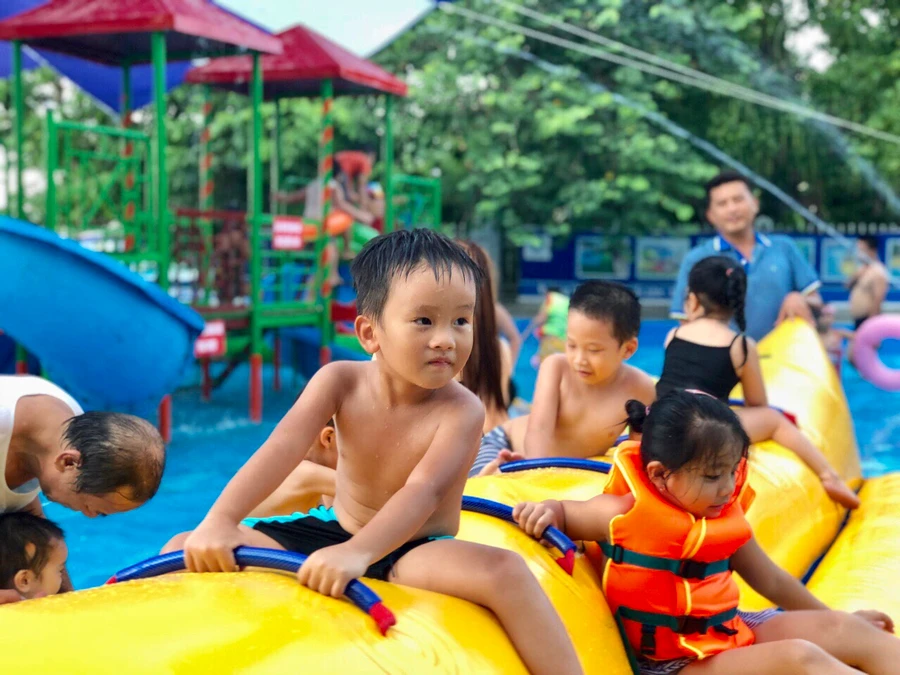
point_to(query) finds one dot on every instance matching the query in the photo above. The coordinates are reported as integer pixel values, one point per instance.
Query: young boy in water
(33, 555)
(580, 395)
(406, 431)
(310, 485)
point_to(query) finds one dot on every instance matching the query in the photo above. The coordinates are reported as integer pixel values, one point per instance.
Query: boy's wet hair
(686, 427)
(400, 253)
(612, 302)
(18, 533)
(119, 453)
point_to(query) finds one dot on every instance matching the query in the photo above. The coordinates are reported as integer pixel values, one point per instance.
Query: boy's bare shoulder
(638, 384)
(459, 396)
(461, 403)
(344, 370)
(556, 365)
(338, 377)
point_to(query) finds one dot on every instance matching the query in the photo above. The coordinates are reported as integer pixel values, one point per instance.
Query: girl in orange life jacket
(672, 525)
(706, 354)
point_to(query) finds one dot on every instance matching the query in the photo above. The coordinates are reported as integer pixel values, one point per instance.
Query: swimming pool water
(212, 440)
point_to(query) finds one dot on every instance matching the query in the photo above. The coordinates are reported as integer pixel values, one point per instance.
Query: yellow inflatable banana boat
(264, 622)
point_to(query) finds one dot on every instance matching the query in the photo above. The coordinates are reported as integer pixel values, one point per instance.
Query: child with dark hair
(579, 395)
(488, 370)
(833, 339)
(671, 523)
(33, 555)
(707, 354)
(407, 431)
(308, 486)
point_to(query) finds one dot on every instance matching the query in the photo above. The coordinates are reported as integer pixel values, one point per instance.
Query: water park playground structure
(245, 273)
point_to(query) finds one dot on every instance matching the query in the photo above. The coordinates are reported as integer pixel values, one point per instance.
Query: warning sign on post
(211, 343)
(287, 233)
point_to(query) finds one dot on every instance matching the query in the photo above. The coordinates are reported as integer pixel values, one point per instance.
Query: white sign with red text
(211, 343)
(287, 233)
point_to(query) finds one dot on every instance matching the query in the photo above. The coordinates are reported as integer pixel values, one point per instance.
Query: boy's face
(425, 332)
(593, 352)
(49, 581)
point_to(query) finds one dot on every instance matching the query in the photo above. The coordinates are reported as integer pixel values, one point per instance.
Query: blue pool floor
(212, 440)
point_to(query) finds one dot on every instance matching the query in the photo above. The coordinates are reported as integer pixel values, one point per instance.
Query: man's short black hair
(399, 254)
(870, 241)
(119, 453)
(609, 301)
(17, 531)
(722, 179)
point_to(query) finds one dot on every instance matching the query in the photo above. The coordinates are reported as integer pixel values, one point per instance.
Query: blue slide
(101, 332)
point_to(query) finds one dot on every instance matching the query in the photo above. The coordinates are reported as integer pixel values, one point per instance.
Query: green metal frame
(19, 105)
(420, 201)
(120, 158)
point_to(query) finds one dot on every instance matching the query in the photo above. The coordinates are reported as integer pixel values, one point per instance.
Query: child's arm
(210, 546)
(751, 376)
(770, 581)
(544, 410)
(506, 326)
(342, 203)
(291, 197)
(329, 570)
(580, 520)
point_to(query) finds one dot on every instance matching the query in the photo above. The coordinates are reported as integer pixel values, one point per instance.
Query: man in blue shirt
(780, 281)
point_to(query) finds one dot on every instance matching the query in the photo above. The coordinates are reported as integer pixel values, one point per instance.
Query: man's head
(731, 207)
(602, 332)
(109, 463)
(867, 248)
(416, 293)
(33, 555)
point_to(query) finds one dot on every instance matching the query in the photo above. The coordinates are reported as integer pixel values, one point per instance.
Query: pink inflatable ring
(868, 339)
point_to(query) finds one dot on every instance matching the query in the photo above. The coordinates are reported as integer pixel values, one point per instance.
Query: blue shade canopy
(102, 83)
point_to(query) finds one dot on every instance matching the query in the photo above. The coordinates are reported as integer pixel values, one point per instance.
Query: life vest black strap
(683, 625)
(687, 569)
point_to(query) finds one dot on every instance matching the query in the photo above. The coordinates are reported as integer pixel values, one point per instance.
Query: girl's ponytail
(637, 414)
(736, 292)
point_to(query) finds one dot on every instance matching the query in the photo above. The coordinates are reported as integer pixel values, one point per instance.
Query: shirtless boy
(869, 285)
(579, 397)
(405, 433)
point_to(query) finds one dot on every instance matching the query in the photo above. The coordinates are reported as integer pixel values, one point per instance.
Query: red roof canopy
(118, 31)
(308, 58)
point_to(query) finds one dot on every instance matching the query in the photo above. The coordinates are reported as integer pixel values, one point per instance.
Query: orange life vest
(667, 576)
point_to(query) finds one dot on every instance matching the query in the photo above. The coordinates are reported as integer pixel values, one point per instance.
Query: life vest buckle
(690, 625)
(691, 569)
(616, 553)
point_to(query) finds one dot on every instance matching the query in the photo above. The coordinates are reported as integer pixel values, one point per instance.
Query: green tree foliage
(521, 148)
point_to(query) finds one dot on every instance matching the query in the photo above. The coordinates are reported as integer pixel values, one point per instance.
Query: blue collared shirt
(777, 268)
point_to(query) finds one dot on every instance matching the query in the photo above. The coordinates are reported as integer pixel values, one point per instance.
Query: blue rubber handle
(556, 463)
(245, 556)
(497, 510)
